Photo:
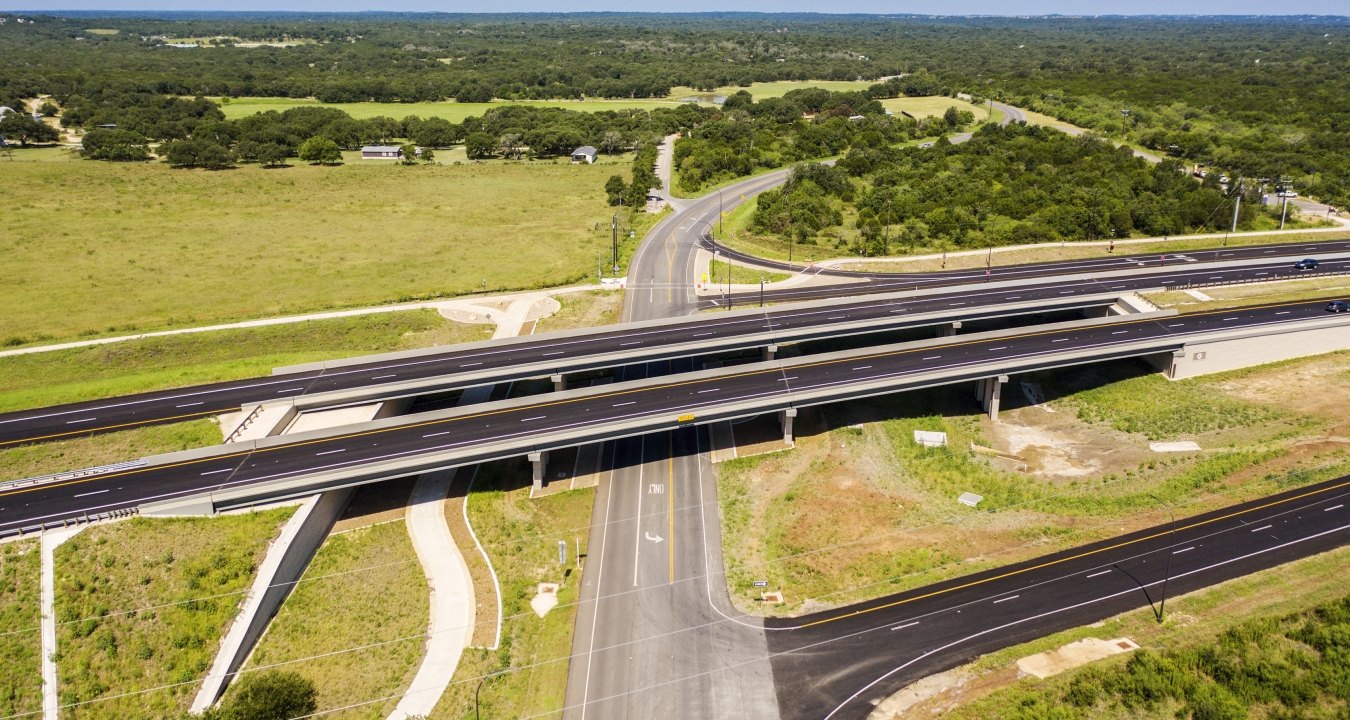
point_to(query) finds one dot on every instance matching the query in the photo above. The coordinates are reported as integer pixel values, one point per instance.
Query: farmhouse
(381, 152)
(584, 154)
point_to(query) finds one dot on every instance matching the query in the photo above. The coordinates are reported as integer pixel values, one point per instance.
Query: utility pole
(720, 213)
(1284, 208)
(614, 231)
(761, 291)
(599, 274)
(728, 284)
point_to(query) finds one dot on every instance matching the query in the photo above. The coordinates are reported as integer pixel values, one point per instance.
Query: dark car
(1306, 264)
(1338, 306)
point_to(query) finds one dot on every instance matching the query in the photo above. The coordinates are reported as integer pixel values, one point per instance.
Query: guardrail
(1253, 281)
(71, 474)
(239, 429)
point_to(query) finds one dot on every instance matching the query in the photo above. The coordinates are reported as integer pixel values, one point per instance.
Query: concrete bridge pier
(948, 329)
(559, 382)
(989, 391)
(770, 351)
(538, 463)
(785, 418)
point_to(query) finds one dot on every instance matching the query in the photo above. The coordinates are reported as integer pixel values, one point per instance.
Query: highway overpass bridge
(211, 479)
(394, 375)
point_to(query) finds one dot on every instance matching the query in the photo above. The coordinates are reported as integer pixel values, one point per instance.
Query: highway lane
(838, 664)
(879, 281)
(483, 363)
(658, 401)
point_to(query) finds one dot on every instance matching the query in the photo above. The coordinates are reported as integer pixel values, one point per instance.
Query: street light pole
(719, 212)
(728, 284)
(1167, 572)
(483, 679)
(614, 232)
(761, 291)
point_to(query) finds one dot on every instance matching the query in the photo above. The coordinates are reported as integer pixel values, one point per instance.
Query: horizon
(859, 8)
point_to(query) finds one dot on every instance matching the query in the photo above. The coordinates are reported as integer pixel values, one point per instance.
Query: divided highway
(471, 364)
(837, 664)
(398, 447)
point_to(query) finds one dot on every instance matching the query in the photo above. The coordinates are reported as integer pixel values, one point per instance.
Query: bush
(271, 695)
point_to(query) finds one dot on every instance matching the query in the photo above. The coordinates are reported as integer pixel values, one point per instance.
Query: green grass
(453, 111)
(1190, 408)
(20, 634)
(779, 88)
(364, 587)
(935, 105)
(780, 510)
(741, 274)
(143, 603)
(736, 234)
(592, 308)
(521, 536)
(99, 248)
(1235, 623)
(58, 456)
(61, 376)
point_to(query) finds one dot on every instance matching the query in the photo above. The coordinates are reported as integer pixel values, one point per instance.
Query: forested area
(1258, 97)
(1007, 185)
(803, 124)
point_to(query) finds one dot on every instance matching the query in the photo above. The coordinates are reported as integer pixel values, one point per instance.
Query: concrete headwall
(1204, 358)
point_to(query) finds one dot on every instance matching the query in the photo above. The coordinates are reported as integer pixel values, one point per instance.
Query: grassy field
(453, 111)
(1227, 618)
(772, 89)
(1054, 479)
(521, 536)
(100, 371)
(143, 603)
(582, 310)
(364, 587)
(152, 247)
(20, 634)
(933, 106)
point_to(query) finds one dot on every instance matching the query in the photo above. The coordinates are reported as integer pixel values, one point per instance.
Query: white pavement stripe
(217, 472)
(330, 452)
(190, 404)
(1263, 527)
(383, 377)
(437, 434)
(1006, 599)
(1333, 507)
(84, 420)
(1178, 552)
(902, 627)
(1099, 574)
(96, 492)
(529, 419)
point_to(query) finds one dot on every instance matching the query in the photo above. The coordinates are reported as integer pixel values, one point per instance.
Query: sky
(936, 7)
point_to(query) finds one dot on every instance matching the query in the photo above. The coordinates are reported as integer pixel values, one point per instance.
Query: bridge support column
(949, 329)
(785, 418)
(992, 394)
(538, 462)
(559, 382)
(770, 351)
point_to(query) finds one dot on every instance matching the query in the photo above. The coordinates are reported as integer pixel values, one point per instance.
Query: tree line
(1007, 185)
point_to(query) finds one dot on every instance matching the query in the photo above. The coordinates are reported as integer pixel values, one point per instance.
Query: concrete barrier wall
(1204, 358)
(285, 562)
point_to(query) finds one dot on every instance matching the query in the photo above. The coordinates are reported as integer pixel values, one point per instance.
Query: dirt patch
(1075, 654)
(1057, 446)
(1309, 387)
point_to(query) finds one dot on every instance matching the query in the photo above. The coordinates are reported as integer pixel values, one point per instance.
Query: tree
(479, 145)
(272, 155)
(409, 154)
(428, 156)
(320, 151)
(615, 188)
(47, 109)
(15, 126)
(115, 145)
(509, 143)
(433, 132)
(270, 695)
(197, 154)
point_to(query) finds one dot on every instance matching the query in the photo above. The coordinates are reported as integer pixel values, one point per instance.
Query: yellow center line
(614, 394)
(670, 499)
(92, 428)
(1078, 556)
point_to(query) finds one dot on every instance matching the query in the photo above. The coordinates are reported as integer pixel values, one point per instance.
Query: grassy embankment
(177, 248)
(20, 634)
(141, 606)
(1080, 473)
(582, 310)
(717, 273)
(364, 589)
(521, 536)
(1229, 642)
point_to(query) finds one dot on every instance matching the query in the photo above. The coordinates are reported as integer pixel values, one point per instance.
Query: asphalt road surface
(655, 403)
(839, 664)
(500, 362)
